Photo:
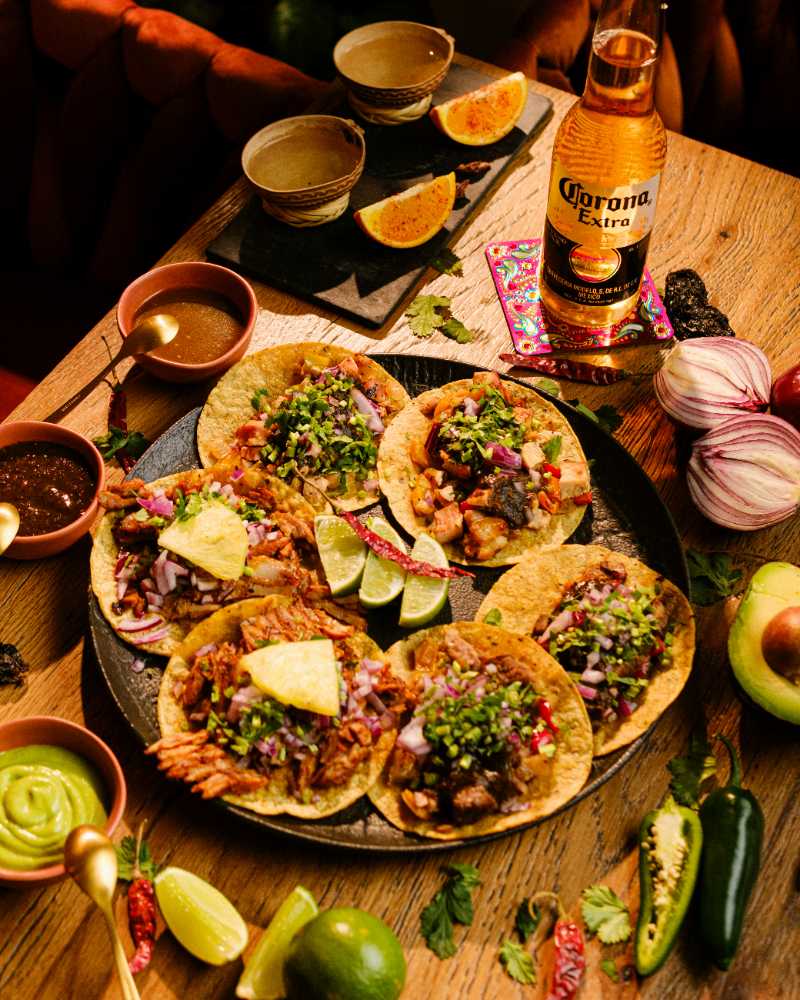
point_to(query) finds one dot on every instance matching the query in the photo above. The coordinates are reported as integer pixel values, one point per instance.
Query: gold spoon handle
(129, 990)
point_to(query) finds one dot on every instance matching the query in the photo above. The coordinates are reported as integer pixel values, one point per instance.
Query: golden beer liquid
(609, 141)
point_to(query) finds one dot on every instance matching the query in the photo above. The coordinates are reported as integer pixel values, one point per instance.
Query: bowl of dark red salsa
(53, 476)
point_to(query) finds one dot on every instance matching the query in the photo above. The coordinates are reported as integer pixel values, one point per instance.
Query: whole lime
(345, 954)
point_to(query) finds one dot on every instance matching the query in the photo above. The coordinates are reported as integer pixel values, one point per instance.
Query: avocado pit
(780, 643)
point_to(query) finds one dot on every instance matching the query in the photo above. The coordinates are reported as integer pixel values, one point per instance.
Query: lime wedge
(342, 552)
(262, 978)
(383, 579)
(424, 596)
(203, 920)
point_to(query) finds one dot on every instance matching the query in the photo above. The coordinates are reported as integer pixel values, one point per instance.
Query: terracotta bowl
(52, 731)
(411, 86)
(189, 274)
(307, 146)
(39, 546)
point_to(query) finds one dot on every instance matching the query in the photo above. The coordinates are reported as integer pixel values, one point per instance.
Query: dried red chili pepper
(570, 961)
(552, 469)
(118, 417)
(574, 371)
(386, 550)
(141, 908)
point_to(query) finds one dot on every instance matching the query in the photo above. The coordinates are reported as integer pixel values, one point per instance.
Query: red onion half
(708, 380)
(745, 473)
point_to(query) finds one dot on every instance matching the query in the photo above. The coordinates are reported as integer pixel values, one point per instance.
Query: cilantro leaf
(517, 963)
(609, 966)
(132, 443)
(451, 904)
(712, 576)
(689, 772)
(455, 330)
(606, 416)
(447, 262)
(605, 914)
(257, 399)
(424, 315)
(126, 860)
(493, 617)
(552, 448)
(548, 385)
(527, 919)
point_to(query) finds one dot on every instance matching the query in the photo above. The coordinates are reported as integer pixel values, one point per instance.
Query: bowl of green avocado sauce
(54, 775)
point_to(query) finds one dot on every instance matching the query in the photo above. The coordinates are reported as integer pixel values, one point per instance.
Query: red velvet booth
(120, 125)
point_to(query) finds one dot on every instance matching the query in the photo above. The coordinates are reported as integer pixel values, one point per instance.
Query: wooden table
(737, 224)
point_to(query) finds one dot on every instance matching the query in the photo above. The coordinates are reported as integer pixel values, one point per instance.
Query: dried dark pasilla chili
(686, 302)
(386, 550)
(12, 666)
(733, 828)
(574, 371)
(670, 841)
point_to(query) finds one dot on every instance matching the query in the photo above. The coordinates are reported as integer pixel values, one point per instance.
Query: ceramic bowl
(189, 274)
(39, 546)
(52, 731)
(392, 68)
(304, 168)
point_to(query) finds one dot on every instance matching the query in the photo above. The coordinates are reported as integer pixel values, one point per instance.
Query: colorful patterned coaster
(515, 269)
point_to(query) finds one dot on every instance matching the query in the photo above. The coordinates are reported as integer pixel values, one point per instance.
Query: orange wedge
(411, 217)
(485, 115)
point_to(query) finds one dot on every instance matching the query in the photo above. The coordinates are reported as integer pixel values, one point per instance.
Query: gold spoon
(9, 525)
(152, 333)
(90, 859)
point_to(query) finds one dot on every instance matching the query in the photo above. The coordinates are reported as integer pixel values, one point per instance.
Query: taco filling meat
(327, 428)
(489, 468)
(478, 739)
(241, 699)
(194, 544)
(611, 638)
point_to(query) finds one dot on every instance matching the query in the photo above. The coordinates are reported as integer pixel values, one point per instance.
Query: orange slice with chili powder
(412, 217)
(485, 115)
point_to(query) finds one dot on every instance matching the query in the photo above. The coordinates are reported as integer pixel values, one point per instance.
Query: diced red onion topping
(243, 698)
(471, 407)
(140, 639)
(237, 473)
(138, 665)
(590, 676)
(589, 693)
(139, 624)
(412, 738)
(504, 457)
(368, 410)
(159, 505)
(626, 707)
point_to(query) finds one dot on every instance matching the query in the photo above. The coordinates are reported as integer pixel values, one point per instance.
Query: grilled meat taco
(307, 411)
(487, 467)
(624, 633)
(170, 553)
(497, 735)
(278, 707)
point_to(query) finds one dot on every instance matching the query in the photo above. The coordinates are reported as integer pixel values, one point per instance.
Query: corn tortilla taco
(278, 707)
(487, 467)
(623, 632)
(497, 736)
(305, 412)
(169, 553)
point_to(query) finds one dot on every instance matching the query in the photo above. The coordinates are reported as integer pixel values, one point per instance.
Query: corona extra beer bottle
(607, 161)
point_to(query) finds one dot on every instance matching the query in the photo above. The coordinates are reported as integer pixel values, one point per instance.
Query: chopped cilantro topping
(466, 438)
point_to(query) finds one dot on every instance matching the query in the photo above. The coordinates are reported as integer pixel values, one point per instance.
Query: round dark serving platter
(626, 514)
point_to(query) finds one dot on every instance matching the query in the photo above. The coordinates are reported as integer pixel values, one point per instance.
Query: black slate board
(336, 264)
(626, 514)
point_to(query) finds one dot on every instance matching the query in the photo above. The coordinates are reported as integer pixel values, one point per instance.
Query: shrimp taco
(170, 553)
(487, 467)
(278, 707)
(307, 413)
(497, 735)
(623, 632)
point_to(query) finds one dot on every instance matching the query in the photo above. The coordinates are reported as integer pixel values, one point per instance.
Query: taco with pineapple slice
(278, 707)
(497, 735)
(311, 414)
(169, 553)
(623, 632)
(487, 467)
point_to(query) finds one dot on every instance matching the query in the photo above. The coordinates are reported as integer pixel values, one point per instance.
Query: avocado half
(773, 588)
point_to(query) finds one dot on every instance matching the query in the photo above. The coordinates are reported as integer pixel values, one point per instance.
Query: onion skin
(704, 382)
(745, 473)
(786, 396)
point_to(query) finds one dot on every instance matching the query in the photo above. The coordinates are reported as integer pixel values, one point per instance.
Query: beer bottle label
(595, 239)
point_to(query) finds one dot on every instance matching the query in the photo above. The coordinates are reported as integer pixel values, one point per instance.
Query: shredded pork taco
(169, 553)
(278, 707)
(496, 737)
(624, 633)
(487, 467)
(311, 414)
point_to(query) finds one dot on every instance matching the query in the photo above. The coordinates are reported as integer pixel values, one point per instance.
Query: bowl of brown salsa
(53, 476)
(216, 310)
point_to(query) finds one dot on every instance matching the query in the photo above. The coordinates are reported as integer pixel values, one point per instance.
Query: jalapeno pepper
(670, 841)
(733, 828)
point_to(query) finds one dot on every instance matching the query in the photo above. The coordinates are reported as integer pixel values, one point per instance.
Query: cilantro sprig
(126, 860)
(448, 262)
(606, 416)
(452, 904)
(133, 443)
(690, 772)
(605, 914)
(712, 576)
(517, 962)
(428, 313)
(528, 918)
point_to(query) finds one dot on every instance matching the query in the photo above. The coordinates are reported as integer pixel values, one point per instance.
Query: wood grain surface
(737, 224)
